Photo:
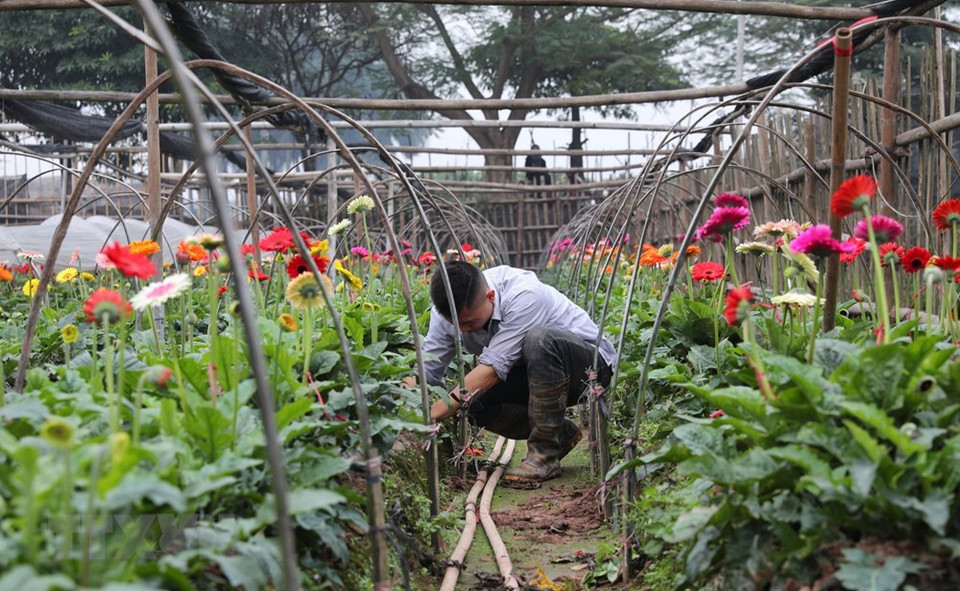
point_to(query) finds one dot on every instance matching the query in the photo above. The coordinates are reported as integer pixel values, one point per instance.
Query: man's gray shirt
(522, 302)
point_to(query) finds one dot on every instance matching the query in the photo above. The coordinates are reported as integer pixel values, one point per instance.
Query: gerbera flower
(131, 265)
(426, 259)
(58, 432)
(207, 240)
(247, 249)
(30, 287)
(361, 252)
(68, 274)
(730, 200)
(103, 261)
(200, 271)
(723, 221)
(794, 298)
(87, 276)
(5, 274)
(757, 248)
(800, 263)
(144, 247)
(885, 229)
(708, 272)
(69, 333)
(890, 253)
(853, 195)
(304, 292)
(915, 259)
(255, 273)
(354, 281)
(298, 265)
(858, 247)
(279, 240)
(692, 251)
(338, 227)
(159, 292)
(651, 257)
(818, 241)
(360, 204)
(947, 214)
(319, 247)
(31, 255)
(737, 304)
(106, 302)
(948, 264)
(287, 322)
(788, 228)
(191, 252)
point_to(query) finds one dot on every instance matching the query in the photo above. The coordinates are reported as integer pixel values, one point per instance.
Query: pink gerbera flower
(360, 252)
(730, 200)
(885, 229)
(818, 241)
(723, 221)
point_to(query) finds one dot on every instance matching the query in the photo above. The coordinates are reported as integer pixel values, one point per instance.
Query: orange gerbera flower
(192, 251)
(852, 195)
(651, 257)
(5, 274)
(947, 214)
(144, 247)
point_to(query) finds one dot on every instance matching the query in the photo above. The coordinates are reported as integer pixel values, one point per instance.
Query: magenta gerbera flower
(730, 200)
(886, 229)
(723, 221)
(818, 241)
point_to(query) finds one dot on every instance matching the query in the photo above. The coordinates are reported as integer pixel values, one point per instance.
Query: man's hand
(480, 379)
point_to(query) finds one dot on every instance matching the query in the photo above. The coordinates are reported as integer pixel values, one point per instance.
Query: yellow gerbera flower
(352, 279)
(70, 333)
(320, 248)
(68, 274)
(30, 287)
(200, 271)
(304, 292)
(87, 276)
(288, 323)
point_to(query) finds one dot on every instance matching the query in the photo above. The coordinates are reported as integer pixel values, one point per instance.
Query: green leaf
(322, 362)
(861, 571)
(138, 486)
(293, 411)
(303, 500)
(862, 473)
(883, 424)
(240, 571)
(878, 378)
(688, 524)
(24, 578)
(737, 401)
(210, 431)
(874, 450)
(804, 457)
(699, 439)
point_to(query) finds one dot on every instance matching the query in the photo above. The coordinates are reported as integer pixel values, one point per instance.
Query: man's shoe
(533, 469)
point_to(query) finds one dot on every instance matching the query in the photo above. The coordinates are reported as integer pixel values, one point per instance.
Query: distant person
(535, 177)
(575, 174)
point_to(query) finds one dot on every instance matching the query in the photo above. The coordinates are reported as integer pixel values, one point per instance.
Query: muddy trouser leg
(557, 363)
(503, 409)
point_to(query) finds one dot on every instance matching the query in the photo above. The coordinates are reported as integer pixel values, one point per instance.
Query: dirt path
(557, 527)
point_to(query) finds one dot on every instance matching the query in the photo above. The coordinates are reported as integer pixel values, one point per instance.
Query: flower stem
(108, 368)
(815, 326)
(137, 398)
(896, 292)
(66, 499)
(731, 264)
(307, 340)
(882, 310)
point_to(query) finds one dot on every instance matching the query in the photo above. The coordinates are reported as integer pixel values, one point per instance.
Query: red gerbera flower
(426, 259)
(131, 265)
(890, 252)
(708, 272)
(279, 240)
(298, 265)
(858, 247)
(854, 194)
(915, 259)
(258, 275)
(947, 214)
(106, 302)
(246, 249)
(948, 263)
(738, 304)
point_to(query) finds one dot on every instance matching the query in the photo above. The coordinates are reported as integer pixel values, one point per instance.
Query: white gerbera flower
(795, 298)
(157, 293)
(757, 248)
(339, 227)
(361, 204)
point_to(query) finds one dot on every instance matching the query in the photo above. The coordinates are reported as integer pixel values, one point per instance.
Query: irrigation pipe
(469, 529)
(496, 542)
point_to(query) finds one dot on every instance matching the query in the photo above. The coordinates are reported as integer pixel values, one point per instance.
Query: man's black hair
(466, 283)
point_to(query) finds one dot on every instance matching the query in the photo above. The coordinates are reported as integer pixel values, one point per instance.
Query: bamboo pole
(710, 6)
(496, 542)
(252, 201)
(153, 152)
(455, 562)
(842, 51)
(888, 117)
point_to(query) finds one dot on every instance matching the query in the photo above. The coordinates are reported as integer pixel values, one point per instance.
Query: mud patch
(553, 515)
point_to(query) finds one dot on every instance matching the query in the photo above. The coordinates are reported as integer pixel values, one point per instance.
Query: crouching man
(534, 349)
